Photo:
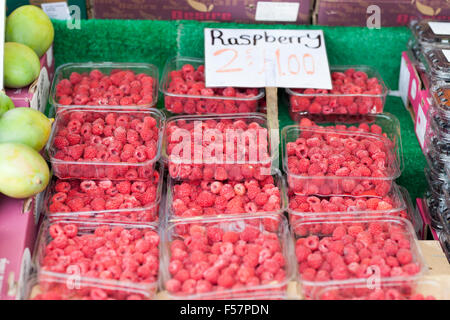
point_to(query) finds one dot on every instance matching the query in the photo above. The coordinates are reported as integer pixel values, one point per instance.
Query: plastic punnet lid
(431, 33)
(437, 61)
(440, 91)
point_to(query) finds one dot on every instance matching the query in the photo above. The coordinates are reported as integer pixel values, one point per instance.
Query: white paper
(277, 11)
(403, 82)
(446, 54)
(266, 58)
(421, 126)
(56, 10)
(440, 28)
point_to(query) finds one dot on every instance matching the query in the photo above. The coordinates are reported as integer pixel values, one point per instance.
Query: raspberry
(60, 142)
(404, 256)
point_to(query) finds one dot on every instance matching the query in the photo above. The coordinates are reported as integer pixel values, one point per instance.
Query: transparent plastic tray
(424, 38)
(274, 225)
(424, 289)
(339, 103)
(433, 209)
(172, 217)
(437, 64)
(219, 165)
(72, 274)
(102, 169)
(64, 71)
(179, 103)
(438, 126)
(147, 214)
(303, 183)
(49, 287)
(444, 239)
(402, 206)
(323, 228)
(440, 91)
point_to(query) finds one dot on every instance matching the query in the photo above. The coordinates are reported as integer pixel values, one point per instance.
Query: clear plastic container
(106, 68)
(51, 287)
(173, 217)
(66, 275)
(102, 167)
(402, 206)
(185, 103)
(274, 227)
(434, 207)
(437, 64)
(438, 126)
(440, 92)
(326, 185)
(424, 37)
(389, 124)
(190, 154)
(143, 214)
(324, 102)
(424, 289)
(321, 230)
(444, 239)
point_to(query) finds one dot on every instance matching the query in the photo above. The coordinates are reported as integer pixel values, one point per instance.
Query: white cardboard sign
(266, 58)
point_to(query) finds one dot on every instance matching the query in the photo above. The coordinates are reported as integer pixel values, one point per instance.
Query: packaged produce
(226, 259)
(106, 144)
(105, 85)
(437, 63)
(427, 34)
(105, 200)
(396, 203)
(218, 147)
(183, 86)
(100, 260)
(352, 251)
(427, 289)
(207, 199)
(357, 90)
(340, 160)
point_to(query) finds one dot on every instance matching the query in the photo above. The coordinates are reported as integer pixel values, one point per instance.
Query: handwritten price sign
(266, 58)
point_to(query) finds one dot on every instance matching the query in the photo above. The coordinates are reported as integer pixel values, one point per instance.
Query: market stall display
(182, 198)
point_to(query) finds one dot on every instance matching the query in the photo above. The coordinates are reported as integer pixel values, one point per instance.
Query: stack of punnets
(224, 225)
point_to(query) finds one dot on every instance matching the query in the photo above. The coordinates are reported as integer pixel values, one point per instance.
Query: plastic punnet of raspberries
(218, 149)
(125, 201)
(339, 160)
(348, 249)
(353, 93)
(227, 258)
(105, 144)
(400, 291)
(126, 258)
(212, 198)
(187, 94)
(119, 88)
(301, 206)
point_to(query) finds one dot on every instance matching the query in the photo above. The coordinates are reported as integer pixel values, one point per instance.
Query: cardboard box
(19, 220)
(392, 12)
(36, 95)
(13, 4)
(242, 11)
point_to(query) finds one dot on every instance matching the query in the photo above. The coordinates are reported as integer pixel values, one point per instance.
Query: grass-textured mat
(155, 41)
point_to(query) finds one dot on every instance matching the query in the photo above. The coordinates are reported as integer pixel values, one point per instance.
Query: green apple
(30, 26)
(21, 65)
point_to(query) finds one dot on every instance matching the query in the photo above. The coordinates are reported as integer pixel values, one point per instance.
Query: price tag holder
(266, 58)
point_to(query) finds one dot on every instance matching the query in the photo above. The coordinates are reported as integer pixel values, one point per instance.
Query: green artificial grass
(155, 41)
